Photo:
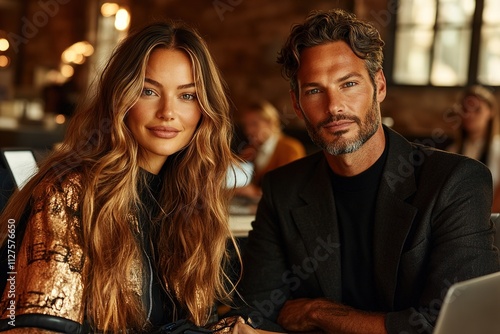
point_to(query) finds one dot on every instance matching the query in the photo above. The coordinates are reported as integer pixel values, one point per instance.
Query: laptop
(21, 164)
(471, 307)
(239, 175)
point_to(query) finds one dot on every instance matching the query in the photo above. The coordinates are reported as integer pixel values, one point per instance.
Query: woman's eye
(188, 96)
(148, 92)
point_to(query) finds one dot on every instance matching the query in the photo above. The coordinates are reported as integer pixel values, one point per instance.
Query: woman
(478, 137)
(124, 227)
(268, 148)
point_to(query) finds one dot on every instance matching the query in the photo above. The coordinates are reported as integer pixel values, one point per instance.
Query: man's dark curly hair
(323, 27)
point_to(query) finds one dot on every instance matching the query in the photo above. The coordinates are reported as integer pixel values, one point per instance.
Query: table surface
(240, 225)
(241, 215)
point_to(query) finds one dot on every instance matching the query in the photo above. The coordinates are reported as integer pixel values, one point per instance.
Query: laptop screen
(471, 306)
(239, 175)
(21, 163)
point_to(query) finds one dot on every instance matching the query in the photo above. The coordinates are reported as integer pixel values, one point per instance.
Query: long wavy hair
(322, 27)
(193, 232)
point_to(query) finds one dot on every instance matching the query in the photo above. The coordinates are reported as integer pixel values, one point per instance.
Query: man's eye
(349, 84)
(312, 91)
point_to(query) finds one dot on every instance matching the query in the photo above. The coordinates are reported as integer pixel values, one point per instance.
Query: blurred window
(447, 42)
(489, 52)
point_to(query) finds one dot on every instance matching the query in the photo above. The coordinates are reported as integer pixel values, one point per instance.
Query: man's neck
(357, 162)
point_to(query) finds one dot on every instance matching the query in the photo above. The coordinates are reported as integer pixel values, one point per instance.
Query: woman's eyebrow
(159, 85)
(153, 82)
(189, 85)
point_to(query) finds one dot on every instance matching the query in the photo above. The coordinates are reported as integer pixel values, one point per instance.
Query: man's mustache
(336, 118)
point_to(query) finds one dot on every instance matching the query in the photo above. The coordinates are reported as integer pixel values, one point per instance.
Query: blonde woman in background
(267, 148)
(124, 228)
(478, 137)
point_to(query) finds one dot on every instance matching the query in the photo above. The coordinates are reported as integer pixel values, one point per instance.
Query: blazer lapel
(393, 217)
(317, 224)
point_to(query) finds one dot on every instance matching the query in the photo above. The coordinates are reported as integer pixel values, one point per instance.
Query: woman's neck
(476, 136)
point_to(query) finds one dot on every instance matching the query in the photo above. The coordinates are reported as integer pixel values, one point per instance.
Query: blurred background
(51, 50)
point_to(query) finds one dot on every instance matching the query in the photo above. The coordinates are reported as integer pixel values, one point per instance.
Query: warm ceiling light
(77, 52)
(79, 47)
(69, 55)
(89, 49)
(79, 59)
(67, 71)
(122, 19)
(60, 119)
(109, 9)
(83, 47)
(4, 61)
(4, 44)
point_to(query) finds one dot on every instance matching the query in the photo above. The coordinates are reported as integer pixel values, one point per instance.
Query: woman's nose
(166, 110)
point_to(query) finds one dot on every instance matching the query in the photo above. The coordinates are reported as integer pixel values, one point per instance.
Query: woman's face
(476, 114)
(166, 116)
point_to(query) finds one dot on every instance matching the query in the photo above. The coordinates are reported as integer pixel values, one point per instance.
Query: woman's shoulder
(67, 188)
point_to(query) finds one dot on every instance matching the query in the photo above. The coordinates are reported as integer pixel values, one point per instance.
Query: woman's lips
(165, 132)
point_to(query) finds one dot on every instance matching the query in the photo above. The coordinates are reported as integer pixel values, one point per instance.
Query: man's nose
(334, 102)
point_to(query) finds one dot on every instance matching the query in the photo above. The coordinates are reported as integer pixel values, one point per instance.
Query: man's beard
(338, 145)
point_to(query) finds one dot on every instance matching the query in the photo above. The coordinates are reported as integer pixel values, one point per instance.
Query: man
(367, 235)
(268, 147)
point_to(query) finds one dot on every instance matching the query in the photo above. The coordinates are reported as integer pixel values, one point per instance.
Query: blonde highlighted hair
(98, 146)
(267, 112)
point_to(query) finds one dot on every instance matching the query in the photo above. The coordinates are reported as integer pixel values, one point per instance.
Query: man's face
(256, 128)
(336, 98)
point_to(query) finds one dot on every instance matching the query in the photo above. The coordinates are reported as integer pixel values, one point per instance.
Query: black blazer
(432, 229)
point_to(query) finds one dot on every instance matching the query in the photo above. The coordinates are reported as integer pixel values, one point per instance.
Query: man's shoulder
(423, 153)
(439, 156)
(428, 164)
(435, 165)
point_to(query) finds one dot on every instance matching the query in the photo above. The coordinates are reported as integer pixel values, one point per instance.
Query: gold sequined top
(50, 261)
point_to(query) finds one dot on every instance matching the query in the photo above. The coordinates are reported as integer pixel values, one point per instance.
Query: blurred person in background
(478, 136)
(267, 148)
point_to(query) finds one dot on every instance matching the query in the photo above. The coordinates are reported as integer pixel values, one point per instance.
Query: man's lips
(164, 131)
(338, 125)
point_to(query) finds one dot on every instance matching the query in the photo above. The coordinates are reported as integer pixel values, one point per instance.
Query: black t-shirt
(355, 199)
(164, 308)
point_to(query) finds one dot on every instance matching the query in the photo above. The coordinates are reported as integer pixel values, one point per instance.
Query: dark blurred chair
(495, 218)
(7, 186)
